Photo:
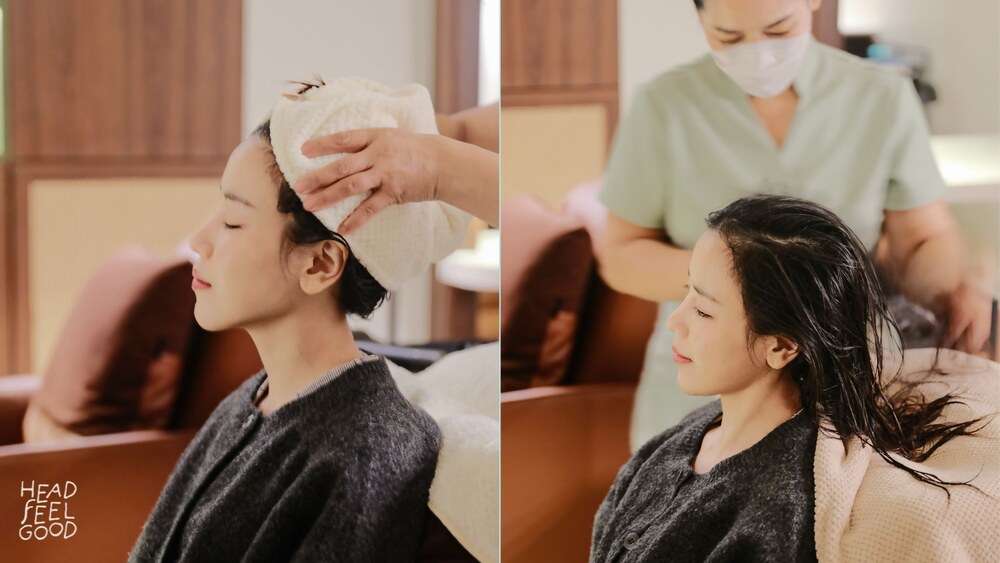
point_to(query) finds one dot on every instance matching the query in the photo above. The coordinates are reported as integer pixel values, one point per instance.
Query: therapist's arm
(925, 249)
(400, 167)
(638, 261)
(479, 126)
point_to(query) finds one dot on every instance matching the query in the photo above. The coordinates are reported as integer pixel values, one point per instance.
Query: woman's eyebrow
(705, 295)
(769, 26)
(779, 22)
(233, 197)
(702, 293)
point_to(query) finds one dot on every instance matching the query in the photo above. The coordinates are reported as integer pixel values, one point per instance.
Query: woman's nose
(199, 240)
(674, 321)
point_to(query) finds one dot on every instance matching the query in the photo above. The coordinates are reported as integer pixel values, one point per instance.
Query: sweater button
(631, 539)
(248, 421)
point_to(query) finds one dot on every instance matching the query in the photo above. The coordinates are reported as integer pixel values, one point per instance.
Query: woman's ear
(324, 263)
(780, 351)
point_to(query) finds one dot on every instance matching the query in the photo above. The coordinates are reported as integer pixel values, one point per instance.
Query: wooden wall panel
(67, 77)
(124, 78)
(561, 53)
(6, 278)
(558, 44)
(456, 76)
(111, 88)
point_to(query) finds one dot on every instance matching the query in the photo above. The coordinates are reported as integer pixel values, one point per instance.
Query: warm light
(860, 17)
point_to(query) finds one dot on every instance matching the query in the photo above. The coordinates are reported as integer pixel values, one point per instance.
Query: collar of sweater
(753, 458)
(352, 386)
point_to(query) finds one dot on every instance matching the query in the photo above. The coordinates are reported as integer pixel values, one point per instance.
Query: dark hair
(700, 4)
(358, 293)
(805, 276)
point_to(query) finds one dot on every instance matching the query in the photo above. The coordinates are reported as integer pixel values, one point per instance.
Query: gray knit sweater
(754, 506)
(341, 473)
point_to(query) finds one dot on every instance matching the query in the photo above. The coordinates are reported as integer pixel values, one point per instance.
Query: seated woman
(784, 320)
(317, 457)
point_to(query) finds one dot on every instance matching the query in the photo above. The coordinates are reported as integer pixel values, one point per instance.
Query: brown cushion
(546, 260)
(118, 361)
(615, 328)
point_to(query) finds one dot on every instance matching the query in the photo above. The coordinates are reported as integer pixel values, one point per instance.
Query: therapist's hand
(401, 166)
(970, 312)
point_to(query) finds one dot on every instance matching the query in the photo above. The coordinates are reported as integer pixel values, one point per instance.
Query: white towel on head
(401, 241)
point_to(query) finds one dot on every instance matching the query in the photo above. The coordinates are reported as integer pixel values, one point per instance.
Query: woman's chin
(688, 382)
(207, 323)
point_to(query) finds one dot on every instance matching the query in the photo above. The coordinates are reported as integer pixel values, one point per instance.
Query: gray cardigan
(754, 506)
(341, 473)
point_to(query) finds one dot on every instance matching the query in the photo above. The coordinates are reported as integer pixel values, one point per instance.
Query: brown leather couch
(564, 443)
(127, 389)
(117, 476)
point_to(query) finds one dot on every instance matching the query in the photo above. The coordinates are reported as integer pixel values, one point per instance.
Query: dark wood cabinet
(560, 44)
(560, 52)
(124, 79)
(106, 89)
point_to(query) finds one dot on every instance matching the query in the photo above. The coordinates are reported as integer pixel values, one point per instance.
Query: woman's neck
(298, 348)
(753, 412)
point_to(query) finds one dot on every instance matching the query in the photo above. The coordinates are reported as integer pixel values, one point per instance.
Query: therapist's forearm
(646, 268)
(934, 269)
(468, 178)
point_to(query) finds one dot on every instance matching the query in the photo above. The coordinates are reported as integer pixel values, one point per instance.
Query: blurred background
(119, 116)
(573, 347)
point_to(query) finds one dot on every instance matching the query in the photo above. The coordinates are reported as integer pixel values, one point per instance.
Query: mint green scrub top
(691, 143)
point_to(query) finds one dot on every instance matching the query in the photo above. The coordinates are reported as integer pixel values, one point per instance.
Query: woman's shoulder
(376, 416)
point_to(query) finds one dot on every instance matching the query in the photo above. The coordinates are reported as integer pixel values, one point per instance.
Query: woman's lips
(679, 358)
(198, 283)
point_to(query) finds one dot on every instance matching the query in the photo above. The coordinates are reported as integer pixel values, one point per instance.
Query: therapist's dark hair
(806, 277)
(357, 292)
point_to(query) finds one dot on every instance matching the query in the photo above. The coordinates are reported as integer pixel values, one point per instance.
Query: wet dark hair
(357, 292)
(805, 276)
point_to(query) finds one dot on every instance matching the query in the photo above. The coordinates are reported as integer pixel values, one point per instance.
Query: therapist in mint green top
(771, 110)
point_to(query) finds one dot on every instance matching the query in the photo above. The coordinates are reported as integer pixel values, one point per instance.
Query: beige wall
(549, 149)
(74, 225)
(386, 40)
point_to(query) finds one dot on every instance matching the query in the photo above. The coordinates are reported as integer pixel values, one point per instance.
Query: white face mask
(763, 68)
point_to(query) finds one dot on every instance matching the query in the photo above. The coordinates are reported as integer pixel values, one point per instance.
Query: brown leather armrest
(117, 479)
(562, 447)
(15, 393)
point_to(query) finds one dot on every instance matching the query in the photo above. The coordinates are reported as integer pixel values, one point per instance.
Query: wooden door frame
(456, 75)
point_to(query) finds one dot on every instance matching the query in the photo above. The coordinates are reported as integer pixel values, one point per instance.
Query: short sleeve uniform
(691, 144)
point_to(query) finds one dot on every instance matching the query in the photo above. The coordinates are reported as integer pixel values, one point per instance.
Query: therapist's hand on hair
(403, 167)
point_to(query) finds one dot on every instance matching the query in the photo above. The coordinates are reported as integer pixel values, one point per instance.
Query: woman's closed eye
(701, 313)
(228, 226)
(767, 33)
